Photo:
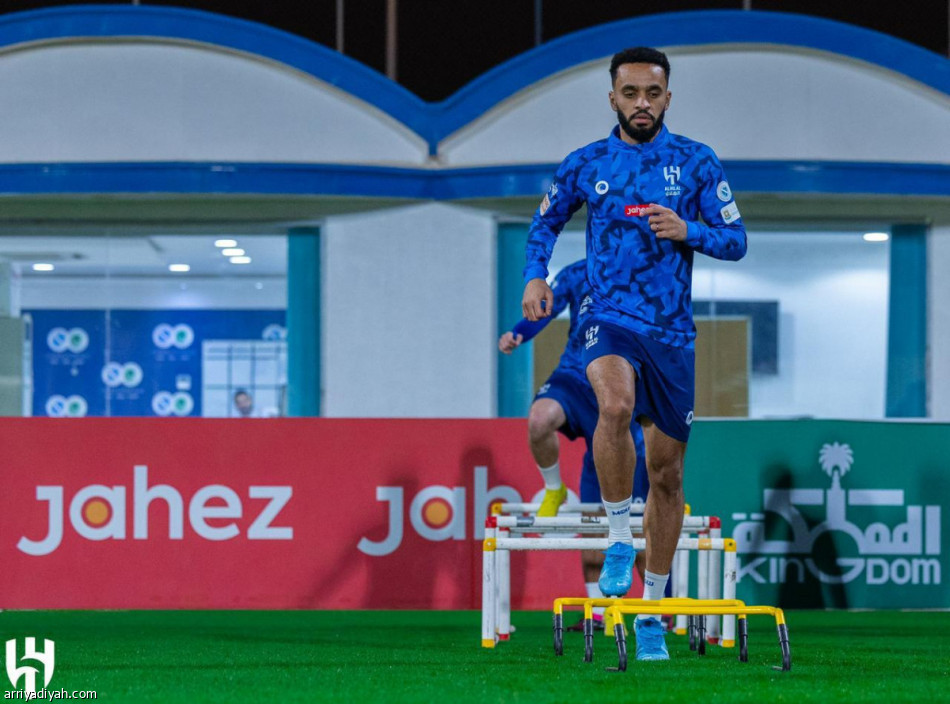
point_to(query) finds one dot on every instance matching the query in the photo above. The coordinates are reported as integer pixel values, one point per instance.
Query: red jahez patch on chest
(635, 211)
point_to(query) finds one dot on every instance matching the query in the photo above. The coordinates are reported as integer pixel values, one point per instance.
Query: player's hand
(665, 223)
(508, 342)
(538, 300)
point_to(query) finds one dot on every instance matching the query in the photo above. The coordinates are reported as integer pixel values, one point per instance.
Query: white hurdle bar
(709, 563)
(591, 524)
(501, 508)
(496, 593)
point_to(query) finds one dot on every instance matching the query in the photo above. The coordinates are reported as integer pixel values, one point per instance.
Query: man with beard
(653, 200)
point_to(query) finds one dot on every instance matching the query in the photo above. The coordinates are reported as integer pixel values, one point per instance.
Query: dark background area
(444, 44)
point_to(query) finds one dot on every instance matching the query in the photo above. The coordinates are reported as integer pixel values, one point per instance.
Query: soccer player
(653, 199)
(566, 404)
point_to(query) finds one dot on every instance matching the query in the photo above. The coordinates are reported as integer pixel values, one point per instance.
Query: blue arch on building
(702, 28)
(435, 121)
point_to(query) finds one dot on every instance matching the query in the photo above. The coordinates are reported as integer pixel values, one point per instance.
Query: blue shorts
(665, 386)
(576, 397)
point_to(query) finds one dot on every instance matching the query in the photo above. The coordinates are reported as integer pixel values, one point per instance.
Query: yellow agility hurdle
(697, 609)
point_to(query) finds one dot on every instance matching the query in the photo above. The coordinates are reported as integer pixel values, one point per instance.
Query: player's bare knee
(616, 412)
(541, 424)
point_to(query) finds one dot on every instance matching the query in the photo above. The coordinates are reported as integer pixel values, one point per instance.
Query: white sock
(593, 592)
(654, 585)
(551, 476)
(618, 517)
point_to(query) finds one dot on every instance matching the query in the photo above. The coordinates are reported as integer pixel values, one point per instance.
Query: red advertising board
(264, 513)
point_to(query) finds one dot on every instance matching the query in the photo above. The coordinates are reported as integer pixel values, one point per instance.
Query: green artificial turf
(433, 656)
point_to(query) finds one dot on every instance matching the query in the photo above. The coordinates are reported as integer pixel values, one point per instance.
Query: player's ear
(669, 97)
(613, 103)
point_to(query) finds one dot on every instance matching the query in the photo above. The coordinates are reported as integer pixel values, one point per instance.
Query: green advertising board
(835, 514)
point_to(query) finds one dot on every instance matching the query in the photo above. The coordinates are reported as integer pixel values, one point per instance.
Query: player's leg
(641, 484)
(662, 522)
(641, 492)
(613, 380)
(591, 560)
(663, 516)
(544, 419)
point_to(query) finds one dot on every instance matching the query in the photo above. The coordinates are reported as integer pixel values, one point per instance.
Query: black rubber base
(588, 640)
(786, 650)
(621, 647)
(743, 640)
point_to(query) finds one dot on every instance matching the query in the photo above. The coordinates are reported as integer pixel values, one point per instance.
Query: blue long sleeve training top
(636, 280)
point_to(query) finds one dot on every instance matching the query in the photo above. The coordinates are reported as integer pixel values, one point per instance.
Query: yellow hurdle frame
(696, 609)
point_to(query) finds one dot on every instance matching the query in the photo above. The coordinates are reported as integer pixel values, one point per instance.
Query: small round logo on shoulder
(601, 187)
(723, 192)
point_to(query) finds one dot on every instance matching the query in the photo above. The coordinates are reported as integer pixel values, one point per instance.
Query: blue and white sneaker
(616, 576)
(651, 643)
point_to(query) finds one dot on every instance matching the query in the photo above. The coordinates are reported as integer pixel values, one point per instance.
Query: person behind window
(243, 404)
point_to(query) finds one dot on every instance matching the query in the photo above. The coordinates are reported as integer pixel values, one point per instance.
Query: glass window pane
(814, 309)
(120, 322)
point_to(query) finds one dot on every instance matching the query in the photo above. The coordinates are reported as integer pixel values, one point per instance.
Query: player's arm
(525, 329)
(721, 234)
(558, 205)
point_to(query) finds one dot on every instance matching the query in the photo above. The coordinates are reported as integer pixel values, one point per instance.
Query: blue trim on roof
(183, 24)
(220, 178)
(708, 27)
(450, 184)
(854, 177)
(435, 121)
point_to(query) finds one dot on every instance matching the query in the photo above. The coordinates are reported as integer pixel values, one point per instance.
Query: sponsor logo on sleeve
(545, 204)
(723, 192)
(730, 213)
(548, 197)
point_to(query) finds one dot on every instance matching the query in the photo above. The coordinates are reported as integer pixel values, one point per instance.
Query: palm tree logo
(836, 456)
(836, 460)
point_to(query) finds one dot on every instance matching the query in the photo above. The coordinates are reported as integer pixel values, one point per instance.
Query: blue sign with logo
(131, 362)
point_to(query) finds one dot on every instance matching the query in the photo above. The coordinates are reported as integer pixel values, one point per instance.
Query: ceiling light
(240, 260)
(179, 267)
(233, 252)
(43, 267)
(876, 237)
(225, 243)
